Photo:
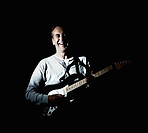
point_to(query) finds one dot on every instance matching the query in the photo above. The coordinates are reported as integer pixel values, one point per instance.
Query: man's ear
(53, 41)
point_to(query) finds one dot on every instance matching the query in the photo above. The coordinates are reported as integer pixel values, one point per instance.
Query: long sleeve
(32, 92)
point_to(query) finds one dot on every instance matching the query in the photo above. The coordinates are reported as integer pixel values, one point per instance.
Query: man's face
(59, 39)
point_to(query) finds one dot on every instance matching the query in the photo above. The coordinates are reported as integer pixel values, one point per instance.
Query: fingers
(55, 99)
(52, 98)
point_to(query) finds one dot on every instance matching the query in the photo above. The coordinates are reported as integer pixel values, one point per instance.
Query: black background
(105, 33)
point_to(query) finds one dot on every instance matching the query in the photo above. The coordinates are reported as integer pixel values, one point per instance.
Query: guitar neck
(84, 81)
(76, 85)
(106, 69)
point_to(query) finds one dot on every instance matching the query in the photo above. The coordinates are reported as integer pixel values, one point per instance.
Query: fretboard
(76, 85)
(106, 69)
(84, 81)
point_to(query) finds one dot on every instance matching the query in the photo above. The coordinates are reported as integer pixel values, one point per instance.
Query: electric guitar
(48, 110)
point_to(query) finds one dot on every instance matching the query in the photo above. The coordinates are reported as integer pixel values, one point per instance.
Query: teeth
(60, 44)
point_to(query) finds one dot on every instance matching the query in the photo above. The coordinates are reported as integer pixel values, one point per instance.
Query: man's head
(59, 38)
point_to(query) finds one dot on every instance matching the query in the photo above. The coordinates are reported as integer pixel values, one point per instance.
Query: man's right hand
(55, 99)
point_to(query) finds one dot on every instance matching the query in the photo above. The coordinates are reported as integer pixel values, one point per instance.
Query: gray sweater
(49, 71)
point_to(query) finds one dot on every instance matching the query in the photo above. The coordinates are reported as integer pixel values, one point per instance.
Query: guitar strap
(75, 62)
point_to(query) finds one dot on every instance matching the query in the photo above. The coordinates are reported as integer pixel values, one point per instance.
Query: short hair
(57, 25)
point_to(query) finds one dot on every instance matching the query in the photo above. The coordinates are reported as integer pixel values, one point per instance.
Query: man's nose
(61, 39)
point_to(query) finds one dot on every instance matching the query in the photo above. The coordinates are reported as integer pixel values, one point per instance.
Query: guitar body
(67, 99)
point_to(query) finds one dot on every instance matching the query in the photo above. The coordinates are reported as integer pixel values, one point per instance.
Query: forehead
(58, 30)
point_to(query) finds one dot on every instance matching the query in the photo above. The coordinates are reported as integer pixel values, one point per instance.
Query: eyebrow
(57, 34)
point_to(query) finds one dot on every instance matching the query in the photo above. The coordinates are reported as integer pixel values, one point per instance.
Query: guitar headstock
(120, 64)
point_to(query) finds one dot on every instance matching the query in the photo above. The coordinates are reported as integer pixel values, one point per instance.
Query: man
(53, 75)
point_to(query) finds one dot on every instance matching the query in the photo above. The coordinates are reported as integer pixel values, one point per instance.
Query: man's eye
(64, 35)
(58, 35)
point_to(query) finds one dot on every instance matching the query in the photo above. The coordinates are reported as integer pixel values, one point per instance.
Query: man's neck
(62, 55)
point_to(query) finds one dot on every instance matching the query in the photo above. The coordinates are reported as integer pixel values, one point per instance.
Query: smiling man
(52, 72)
